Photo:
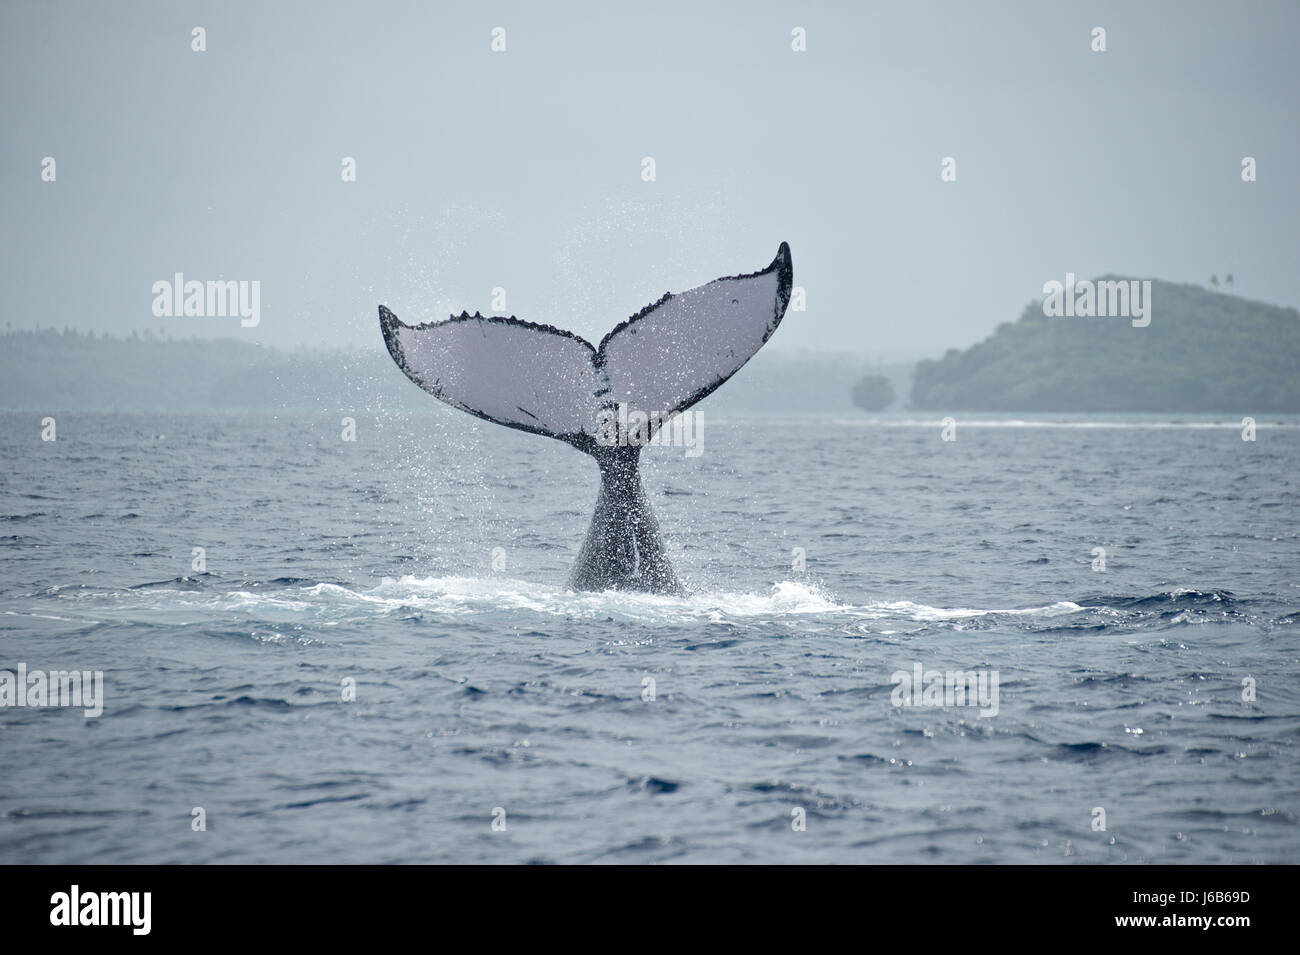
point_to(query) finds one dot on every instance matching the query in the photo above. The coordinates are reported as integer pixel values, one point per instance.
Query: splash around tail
(623, 550)
(548, 381)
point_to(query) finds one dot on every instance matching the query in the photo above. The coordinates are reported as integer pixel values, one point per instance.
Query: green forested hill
(1203, 352)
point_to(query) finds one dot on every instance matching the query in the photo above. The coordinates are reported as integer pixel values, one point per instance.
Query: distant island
(1203, 352)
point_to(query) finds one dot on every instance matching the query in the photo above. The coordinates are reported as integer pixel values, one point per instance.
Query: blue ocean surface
(1145, 712)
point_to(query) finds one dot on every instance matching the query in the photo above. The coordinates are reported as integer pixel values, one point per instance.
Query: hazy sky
(523, 169)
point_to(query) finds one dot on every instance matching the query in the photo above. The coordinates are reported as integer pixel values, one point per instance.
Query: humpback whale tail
(549, 381)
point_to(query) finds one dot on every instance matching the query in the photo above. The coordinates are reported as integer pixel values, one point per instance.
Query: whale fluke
(545, 380)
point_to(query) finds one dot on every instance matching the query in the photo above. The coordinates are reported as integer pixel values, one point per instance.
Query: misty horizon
(522, 170)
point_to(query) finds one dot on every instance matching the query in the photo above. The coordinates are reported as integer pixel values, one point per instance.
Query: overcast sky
(523, 169)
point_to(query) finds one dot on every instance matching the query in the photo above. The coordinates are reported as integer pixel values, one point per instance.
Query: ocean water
(424, 565)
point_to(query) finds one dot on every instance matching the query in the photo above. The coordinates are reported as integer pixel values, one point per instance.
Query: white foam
(786, 598)
(470, 594)
(457, 596)
(925, 614)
